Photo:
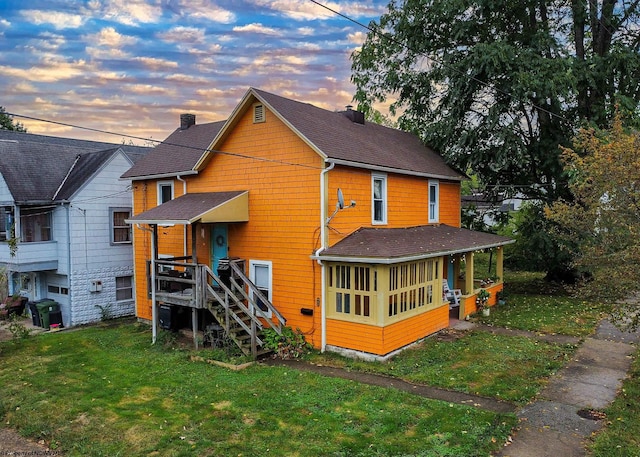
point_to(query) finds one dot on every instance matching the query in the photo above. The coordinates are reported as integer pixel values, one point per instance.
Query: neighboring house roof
(391, 245)
(333, 135)
(38, 168)
(178, 154)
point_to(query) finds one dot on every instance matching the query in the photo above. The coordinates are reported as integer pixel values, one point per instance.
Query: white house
(62, 212)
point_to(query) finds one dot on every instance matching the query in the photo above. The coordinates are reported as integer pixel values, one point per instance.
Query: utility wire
(133, 137)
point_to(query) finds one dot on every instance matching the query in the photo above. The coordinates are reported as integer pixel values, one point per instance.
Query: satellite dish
(340, 204)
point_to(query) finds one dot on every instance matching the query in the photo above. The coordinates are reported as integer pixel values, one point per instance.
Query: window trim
(436, 205)
(383, 178)
(131, 287)
(252, 278)
(112, 226)
(159, 186)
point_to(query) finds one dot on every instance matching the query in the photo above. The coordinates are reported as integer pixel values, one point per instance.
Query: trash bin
(35, 315)
(55, 318)
(44, 307)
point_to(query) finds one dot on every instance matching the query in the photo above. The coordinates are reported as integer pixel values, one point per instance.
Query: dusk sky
(132, 67)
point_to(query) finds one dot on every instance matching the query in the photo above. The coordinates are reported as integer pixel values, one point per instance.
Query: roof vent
(187, 120)
(355, 116)
(258, 114)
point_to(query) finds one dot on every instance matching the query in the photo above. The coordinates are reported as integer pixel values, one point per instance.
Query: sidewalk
(566, 412)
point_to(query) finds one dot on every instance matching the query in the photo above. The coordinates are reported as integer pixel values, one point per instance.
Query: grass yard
(505, 367)
(104, 391)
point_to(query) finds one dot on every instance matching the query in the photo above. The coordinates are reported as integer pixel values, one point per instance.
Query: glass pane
(261, 276)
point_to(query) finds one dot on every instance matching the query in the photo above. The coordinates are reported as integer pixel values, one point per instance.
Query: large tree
(498, 85)
(7, 122)
(603, 216)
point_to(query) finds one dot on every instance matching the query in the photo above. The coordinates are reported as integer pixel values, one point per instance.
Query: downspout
(68, 206)
(154, 328)
(323, 246)
(184, 234)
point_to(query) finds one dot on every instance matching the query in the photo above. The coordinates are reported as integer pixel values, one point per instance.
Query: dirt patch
(449, 334)
(11, 443)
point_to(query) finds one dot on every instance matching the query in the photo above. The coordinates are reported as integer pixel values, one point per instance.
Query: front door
(219, 246)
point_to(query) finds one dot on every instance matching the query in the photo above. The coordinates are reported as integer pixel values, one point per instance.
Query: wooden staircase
(233, 302)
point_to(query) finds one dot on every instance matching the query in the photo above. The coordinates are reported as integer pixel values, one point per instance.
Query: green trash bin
(43, 311)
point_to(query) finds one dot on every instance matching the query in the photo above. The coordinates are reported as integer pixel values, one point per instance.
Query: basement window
(258, 114)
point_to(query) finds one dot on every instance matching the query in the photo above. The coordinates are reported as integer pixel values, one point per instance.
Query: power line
(133, 137)
(472, 78)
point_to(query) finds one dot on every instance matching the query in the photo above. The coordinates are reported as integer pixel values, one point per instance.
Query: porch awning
(394, 245)
(198, 207)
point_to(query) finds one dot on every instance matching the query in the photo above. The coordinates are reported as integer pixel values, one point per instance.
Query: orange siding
(407, 197)
(450, 204)
(282, 175)
(283, 211)
(383, 340)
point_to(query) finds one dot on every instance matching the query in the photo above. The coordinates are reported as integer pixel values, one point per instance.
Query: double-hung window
(379, 198)
(433, 201)
(260, 274)
(120, 230)
(124, 288)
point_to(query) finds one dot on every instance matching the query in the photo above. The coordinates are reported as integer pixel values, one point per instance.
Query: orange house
(288, 214)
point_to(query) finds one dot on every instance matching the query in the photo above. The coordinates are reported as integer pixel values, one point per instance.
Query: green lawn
(104, 391)
(505, 367)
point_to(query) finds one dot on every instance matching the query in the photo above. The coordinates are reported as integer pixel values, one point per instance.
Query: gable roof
(367, 145)
(331, 134)
(393, 245)
(178, 154)
(39, 168)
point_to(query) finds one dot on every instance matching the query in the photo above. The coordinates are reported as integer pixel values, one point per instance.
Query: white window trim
(436, 184)
(383, 177)
(252, 278)
(159, 192)
(133, 291)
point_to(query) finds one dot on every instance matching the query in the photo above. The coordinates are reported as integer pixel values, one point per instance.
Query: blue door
(219, 246)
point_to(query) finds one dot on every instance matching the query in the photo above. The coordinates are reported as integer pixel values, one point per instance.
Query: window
(165, 192)
(433, 201)
(260, 275)
(35, 225)
(120, 230)
(379, 199)
(53, 289)
(354, 289)
(124, 288)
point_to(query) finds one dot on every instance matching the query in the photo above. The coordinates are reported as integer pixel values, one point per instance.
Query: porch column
(468, 285)
(154, 256)
(500, 263)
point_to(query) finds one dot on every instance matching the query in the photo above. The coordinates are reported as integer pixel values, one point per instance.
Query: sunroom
(384, 287)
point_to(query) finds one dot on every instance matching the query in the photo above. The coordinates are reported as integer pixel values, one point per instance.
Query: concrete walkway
(551, 426)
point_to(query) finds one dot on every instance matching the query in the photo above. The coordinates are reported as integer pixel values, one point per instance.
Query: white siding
(5, 194)
(93, 256)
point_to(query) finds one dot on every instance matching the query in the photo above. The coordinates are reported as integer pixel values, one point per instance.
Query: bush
(290, 345)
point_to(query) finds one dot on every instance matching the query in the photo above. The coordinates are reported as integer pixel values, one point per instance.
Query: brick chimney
(354, 116)
(187, 120)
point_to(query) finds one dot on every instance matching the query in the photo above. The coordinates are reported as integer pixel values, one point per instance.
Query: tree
(497, 86)
(7, 122)
(603, 216)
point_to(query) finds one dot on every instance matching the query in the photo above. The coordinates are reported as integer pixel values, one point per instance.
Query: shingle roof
(187, 208)
(331, 134)
(397, 244)
(35, 166)
(370, 144)
(178, 153)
